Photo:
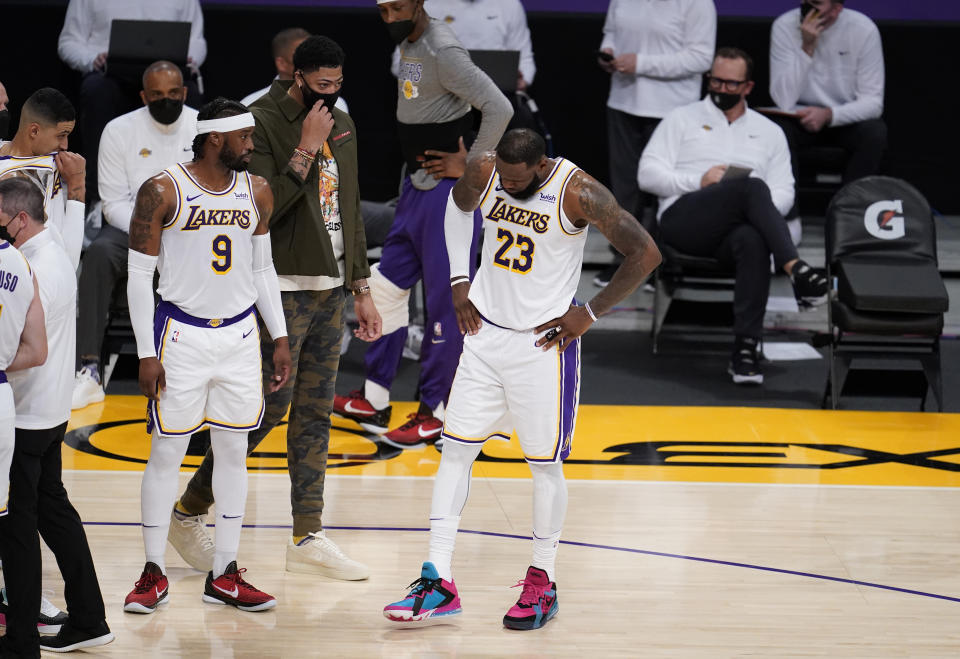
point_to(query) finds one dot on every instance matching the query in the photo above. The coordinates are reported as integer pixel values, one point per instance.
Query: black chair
(889, 299)
(682, 276)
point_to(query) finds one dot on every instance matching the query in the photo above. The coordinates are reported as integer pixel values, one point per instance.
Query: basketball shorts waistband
(3, 377)
(170, 310)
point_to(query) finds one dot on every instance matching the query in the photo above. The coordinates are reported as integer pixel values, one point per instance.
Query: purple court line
(591, 545)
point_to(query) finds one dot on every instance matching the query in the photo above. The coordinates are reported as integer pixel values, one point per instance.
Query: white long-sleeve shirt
(693, 138)
(43, 393)
(86, 28)
(674, 41)
(134, 147)
(485, 25)
(845, 74)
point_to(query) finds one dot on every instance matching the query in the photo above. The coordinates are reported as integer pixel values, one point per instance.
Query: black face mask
(5, 235)
(165, 110)
(805, 8)
(723, 100)
(528, 191)
(310, 97)
(401, 29)
(4, 123)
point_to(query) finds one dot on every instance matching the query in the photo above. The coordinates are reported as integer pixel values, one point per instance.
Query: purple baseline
(591, 545)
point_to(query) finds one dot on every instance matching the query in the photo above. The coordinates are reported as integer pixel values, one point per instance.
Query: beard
(528, 191)
(231, 160)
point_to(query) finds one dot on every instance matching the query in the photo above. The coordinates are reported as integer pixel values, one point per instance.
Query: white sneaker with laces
(190, 538)
(318, 554)
(86, 390)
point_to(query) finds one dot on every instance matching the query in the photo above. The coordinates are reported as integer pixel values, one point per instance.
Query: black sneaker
(745, 361)
(809, 284)
(70, 638)
(604, 276)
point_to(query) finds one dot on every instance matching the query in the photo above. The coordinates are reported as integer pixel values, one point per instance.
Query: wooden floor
(834, 534)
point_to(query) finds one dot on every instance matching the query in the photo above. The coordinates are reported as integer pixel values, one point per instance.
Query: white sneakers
(318, 554)
(190, 538)
(86, 390)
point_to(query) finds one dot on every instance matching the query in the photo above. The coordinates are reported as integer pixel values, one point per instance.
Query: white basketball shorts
(213, 372)
(8, 415)
(504, 383)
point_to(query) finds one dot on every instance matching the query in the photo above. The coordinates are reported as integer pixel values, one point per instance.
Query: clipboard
(735, 172)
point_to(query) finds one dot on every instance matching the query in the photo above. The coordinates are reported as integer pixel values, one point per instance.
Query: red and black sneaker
(230, 588)
(355, 407)
(149, 592)
(419, 429)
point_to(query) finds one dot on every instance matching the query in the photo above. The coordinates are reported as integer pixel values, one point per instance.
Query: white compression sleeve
(549, 511)
(158, 491)
(451, 487)
(458, 234)
(140, 269)
(230, 492)
(269, 302)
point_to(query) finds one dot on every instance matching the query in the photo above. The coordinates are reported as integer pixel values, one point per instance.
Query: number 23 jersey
(532, 253)
(206, 249)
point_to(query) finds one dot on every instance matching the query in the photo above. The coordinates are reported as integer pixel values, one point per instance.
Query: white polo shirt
(134, 147)
(43, 393)
(692, 139)
(674, 41)
(845, 74)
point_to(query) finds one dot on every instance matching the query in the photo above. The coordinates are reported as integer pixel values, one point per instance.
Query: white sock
(549, 511)
(451, 486)
(230, 492)
(158, 492)
(378, 396)
(439, 411)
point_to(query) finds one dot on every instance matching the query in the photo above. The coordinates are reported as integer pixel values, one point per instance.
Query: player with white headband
(204, 223)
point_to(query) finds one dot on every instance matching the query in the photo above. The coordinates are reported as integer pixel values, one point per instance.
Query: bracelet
(457, 280)
(593, 316)
(303, 153)
(363, 289)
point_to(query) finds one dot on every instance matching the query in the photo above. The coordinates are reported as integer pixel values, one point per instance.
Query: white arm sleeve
(140, 269)
(269, 303)
(458, 234)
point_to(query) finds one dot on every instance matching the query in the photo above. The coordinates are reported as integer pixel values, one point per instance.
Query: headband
(226, 124)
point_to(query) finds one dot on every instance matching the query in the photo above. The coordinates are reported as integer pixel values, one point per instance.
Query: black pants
(864, 143)
(102, 98)
(737, 223)
(39, 502)
(104, 263)
(627, 137)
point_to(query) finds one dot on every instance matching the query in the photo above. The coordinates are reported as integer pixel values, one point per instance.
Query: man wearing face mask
(4, 112)
(826, 66)
(306, 149)
(133, 147)
(738, 219)
(437, 85)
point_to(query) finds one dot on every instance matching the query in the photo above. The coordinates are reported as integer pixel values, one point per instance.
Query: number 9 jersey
(532, 253)
(206, 249)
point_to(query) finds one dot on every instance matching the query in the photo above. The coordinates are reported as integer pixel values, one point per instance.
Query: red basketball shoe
(230, 588)
(149, 592)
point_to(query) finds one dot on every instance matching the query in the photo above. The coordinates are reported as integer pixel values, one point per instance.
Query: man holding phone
(706, 210)
(826, 65)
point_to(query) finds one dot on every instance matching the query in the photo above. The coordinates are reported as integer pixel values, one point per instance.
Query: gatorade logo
(884, 220)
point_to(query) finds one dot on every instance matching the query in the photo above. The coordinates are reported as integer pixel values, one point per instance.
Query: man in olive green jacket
(307, 150)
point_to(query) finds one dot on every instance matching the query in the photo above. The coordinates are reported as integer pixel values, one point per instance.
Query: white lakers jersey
(16, 293)
(206, 249)
(42, 170)
(532, 253)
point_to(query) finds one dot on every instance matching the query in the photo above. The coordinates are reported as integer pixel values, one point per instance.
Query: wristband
(593, 316)
(459, 280)
(303, 153)
(363, 289)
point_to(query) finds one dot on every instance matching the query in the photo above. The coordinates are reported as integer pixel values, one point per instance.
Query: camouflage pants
(315, 328)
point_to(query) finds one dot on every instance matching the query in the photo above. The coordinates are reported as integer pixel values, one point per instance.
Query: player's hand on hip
(561, 331)
(371, 325)
(316, 127)
(281, 364)
(444, 164)
(152, 378)
(468, 318)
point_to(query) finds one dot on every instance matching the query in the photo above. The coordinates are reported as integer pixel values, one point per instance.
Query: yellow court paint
(715, 444)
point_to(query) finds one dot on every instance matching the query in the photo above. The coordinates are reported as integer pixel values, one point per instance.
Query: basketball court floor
(705, 520)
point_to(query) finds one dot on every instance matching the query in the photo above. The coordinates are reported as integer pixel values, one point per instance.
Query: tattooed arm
(469, 187)
(154, 207)
(587, 202)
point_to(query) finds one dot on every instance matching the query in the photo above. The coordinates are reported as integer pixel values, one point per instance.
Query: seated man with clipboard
(712, 207)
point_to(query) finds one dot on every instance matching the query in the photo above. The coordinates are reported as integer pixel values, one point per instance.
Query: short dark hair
(318, 52)
(729, 52)
(48, 106)
(19, 194)
(285, 38)
(160, 66)
(215, 109)
(521, 145)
